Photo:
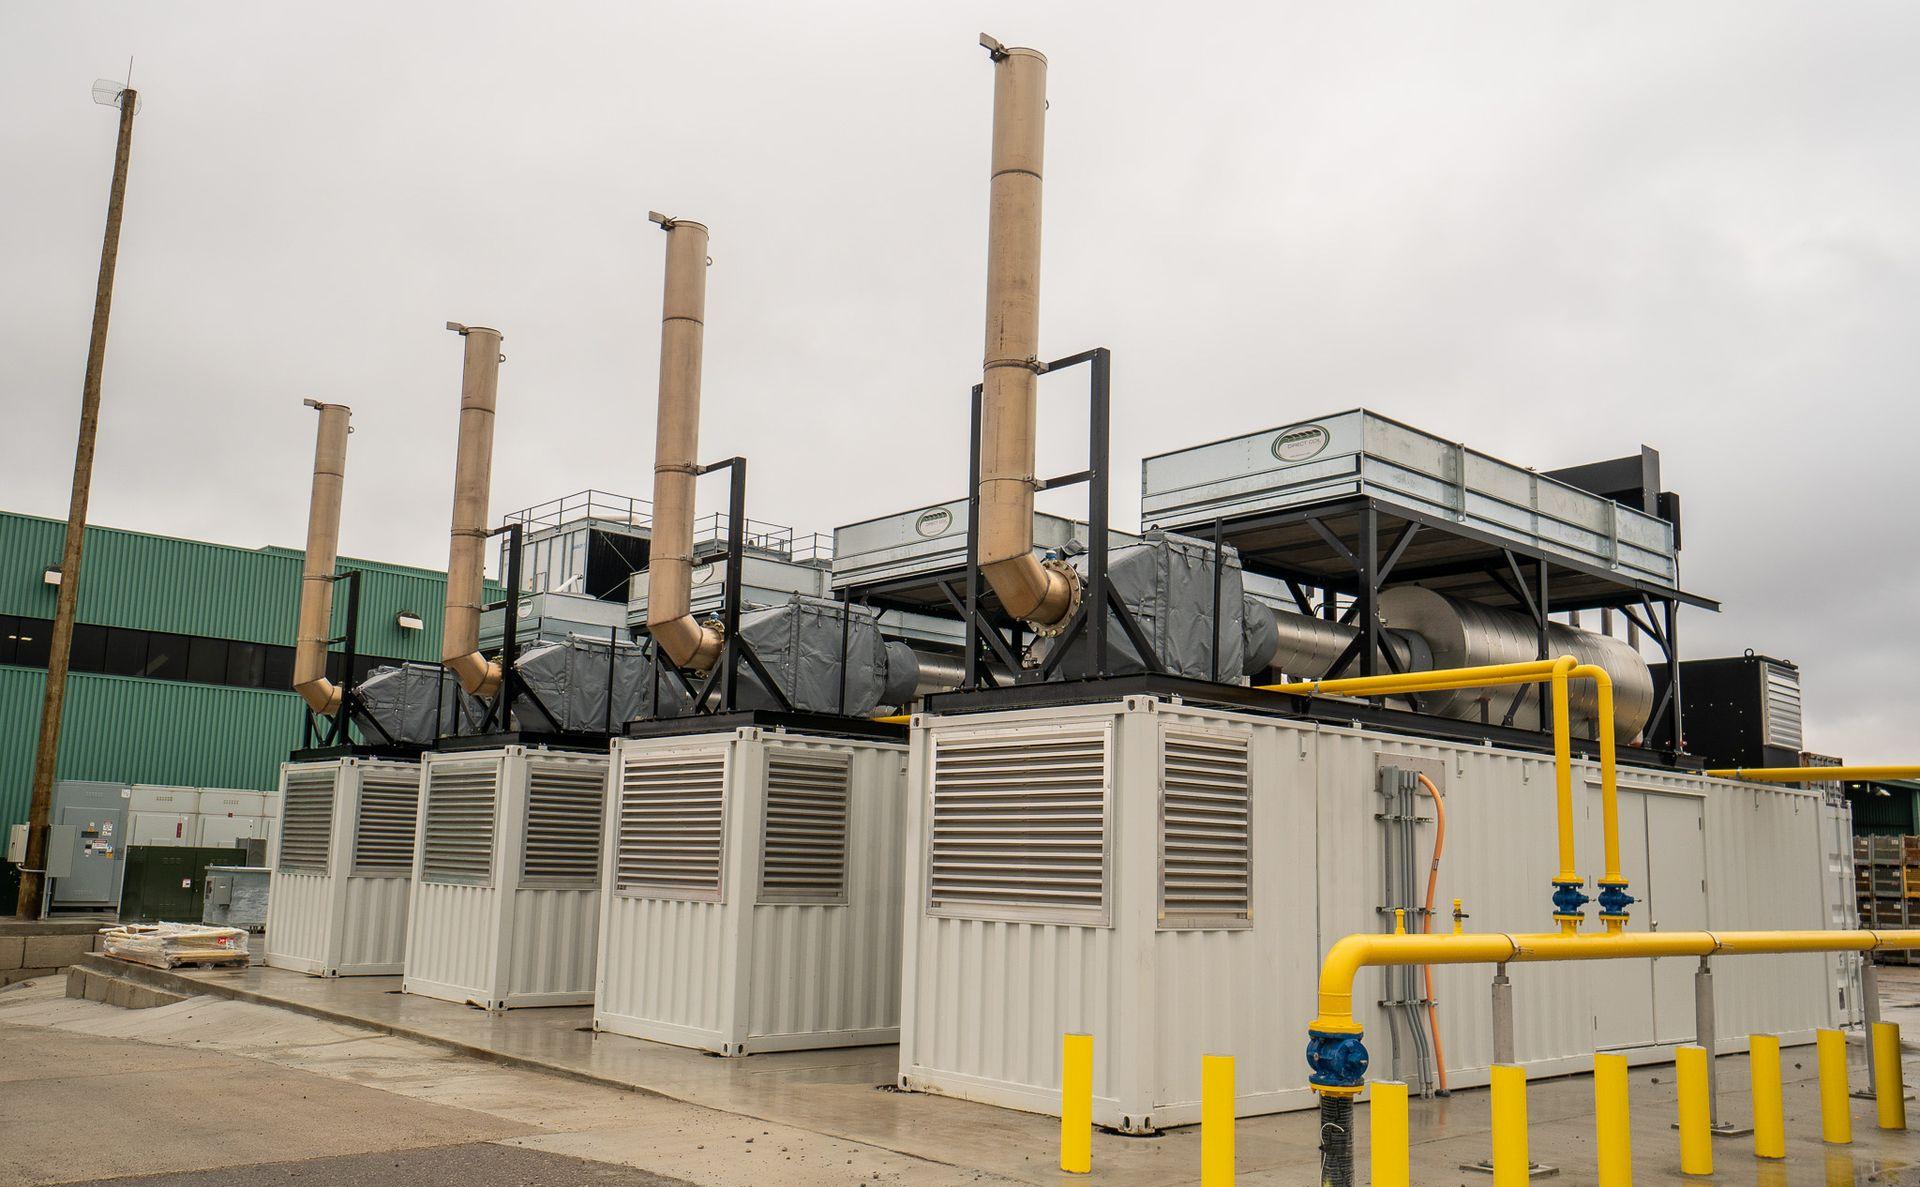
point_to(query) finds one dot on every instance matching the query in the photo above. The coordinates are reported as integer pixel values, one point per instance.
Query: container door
(1622, 989)
(1677, 854)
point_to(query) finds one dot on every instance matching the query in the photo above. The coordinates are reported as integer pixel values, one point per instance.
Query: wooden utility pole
(41, 807)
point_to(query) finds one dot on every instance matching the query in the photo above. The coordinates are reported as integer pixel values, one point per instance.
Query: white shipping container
(161, 815)
(506, 878)
(753, 891)
(1167, 878)
(228, 818)
(342, 856)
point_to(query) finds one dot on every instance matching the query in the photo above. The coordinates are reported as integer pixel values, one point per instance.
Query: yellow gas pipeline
(1338, 1058)
(1567, 899)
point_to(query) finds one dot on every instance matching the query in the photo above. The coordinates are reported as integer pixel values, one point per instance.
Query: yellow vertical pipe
(1216, 1121)
(1563, 773)
(1076, 1104)
(1836, 1123)
(1696, 1126)
(1387, 1138)
(1509, 1125)
(1612, 1129)
(1889, 1090)
(1769, 1103)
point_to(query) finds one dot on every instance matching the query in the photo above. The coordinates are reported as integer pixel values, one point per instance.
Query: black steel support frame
(724, 676)
(1533, 597)
(1100, 607)
(336, 734)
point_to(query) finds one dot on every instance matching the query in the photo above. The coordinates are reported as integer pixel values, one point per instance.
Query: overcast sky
(1553, 231)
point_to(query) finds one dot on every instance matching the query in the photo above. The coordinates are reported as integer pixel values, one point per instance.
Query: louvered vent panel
(1783, 706)
(459, 822)
(671, 817)
(805, 833)
(1019, 821)
(389, 810)
(565, 804)
(1204, 827)
(306, 821)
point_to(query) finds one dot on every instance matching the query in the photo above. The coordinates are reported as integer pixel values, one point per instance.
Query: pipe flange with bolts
(1075, 588)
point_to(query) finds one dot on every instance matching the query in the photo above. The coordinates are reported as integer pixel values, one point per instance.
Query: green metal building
(182, 657)
(1885, 807)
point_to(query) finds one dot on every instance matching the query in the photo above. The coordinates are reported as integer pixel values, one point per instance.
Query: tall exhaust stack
(472, 479)
(683, 313)
(316, 574)
(1044, 595)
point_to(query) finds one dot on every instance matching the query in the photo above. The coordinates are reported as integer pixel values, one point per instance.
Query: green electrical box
(165, 883)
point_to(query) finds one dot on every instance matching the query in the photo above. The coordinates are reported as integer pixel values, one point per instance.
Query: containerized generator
(506, 878)
(342, 859)
(1163, 874)
(1129, 823)
(752, 891)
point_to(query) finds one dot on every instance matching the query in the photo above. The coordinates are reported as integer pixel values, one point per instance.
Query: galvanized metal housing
(753, 892)
(506, 878)
(1165, 876)
(337, 906)
(1363, 453)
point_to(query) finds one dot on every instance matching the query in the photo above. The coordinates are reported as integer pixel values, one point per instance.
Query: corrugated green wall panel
(160, 583)
(145, 731)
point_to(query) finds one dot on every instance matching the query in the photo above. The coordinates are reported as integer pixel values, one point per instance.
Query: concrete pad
(442, 1166)
(206, 1112)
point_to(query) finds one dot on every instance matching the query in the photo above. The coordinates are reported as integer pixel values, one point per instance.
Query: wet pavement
(832, 1101)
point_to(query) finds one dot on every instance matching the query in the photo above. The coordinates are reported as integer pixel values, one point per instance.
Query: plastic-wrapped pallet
(166, 945)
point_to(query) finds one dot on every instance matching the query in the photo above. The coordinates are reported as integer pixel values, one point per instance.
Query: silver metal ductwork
(1468, 634)
(472, 478)
(1429, 630)
(315, 630)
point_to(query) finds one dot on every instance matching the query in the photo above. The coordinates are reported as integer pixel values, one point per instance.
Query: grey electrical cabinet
(97, 814)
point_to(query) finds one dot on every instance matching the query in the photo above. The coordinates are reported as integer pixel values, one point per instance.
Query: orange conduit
(1433, 879)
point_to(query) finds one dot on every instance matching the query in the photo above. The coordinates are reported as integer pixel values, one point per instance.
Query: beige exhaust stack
(683, 313)
(315, 629)
(472, 478)
(1044, 595)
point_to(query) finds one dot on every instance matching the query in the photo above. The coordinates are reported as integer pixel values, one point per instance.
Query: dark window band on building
(162, 655)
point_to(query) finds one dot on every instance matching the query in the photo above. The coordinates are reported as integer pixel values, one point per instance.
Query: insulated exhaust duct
(1043, 594)
(683, 312)
(316, 574)
(472, 478)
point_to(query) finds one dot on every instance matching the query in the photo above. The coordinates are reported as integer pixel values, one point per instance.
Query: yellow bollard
(1889, 1090)
(1696, 1125)
(1216, 1121)
(1387, 1136)
(1076, 1104)
(1611, 1127)
(1836, 1123)
(1769, 1104)
(1509, 1125)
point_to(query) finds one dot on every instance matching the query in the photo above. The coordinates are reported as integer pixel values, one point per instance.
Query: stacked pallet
(177, 945)
(1886, 872)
